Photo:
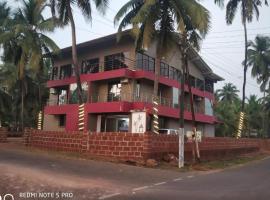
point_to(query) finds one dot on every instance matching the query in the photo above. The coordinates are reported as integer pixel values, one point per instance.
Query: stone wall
(137, 147)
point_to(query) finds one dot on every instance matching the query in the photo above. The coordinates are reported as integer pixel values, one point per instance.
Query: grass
(215, 165)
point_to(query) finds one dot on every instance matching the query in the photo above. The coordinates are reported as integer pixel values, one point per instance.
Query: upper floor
(105, 58)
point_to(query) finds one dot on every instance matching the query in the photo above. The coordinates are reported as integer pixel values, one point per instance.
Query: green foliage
(228, 107)
(24, 43)
(259, 59)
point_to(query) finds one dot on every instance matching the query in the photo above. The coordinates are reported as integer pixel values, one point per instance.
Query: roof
(106, 40)
(125, 35)
(203, 66)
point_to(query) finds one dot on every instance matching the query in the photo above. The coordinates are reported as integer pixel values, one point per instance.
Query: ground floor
(120, 122)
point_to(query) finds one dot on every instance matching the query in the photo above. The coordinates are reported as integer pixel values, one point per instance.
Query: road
(24, 172)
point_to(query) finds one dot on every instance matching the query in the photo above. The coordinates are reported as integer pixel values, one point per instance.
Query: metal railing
(128, 97)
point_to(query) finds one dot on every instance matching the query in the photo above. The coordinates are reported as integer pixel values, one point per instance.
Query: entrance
(114, 123)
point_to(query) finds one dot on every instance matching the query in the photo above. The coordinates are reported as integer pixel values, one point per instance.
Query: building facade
(117, 80)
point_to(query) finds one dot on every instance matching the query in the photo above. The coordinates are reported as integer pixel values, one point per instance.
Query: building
(117, 80)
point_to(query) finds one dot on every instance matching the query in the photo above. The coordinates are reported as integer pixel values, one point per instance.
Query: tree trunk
(184, 48)
(74, 55)
(194, 128)
(182, 94)
(22, 104)
(264, 116)
(157, 74)
(245, 65)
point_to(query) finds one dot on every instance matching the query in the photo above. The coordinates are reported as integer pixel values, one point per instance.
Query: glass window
(114, 123)
(208, 107)
(114, 91)
(138, 89)
(74, 93)
(209, 86)
(115, 61)
(65, 71)
(90, 66)
(62, 120)
(164, 69)
(175, 97)
(200, 84)
(145, 62)
(55, 73)
(62, 96)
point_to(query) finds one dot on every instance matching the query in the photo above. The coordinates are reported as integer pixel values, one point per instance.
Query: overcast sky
(222, 49)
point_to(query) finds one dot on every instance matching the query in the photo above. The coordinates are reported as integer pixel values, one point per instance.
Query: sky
(222, 49)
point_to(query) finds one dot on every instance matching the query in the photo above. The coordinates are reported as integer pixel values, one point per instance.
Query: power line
(230, 73)
(239, 35)
(238, 30)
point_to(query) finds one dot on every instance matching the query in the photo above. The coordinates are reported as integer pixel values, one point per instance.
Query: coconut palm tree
(249, 8)
(253, 111)
(258, 57)
(24, 42)
(62, 9)
(228, 93)
(166, 22)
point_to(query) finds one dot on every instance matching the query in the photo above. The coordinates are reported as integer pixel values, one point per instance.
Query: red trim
(138, 74)
(124, 107)
(71, 112)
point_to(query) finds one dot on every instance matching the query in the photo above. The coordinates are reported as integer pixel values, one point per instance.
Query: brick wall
(55, 140)
(136, 147)
(3, 135)
(119, 146)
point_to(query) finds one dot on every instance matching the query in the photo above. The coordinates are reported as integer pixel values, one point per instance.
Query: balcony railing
(127, 97)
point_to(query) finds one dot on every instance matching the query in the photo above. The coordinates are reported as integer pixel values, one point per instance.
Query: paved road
(22, 171)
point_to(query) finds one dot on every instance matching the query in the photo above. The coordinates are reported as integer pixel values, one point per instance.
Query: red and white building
(117, 80)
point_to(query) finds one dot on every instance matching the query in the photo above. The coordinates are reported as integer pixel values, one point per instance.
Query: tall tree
(166, 22)
(258, 58)
(228, 93)
(24, 42)
(254, 115)
(249, 8)
(62, 9)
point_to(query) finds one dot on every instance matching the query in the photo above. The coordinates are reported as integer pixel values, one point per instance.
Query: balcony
(130, 98)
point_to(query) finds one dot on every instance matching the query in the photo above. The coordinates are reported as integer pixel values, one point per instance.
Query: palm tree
(248, 9)
(154, 21)
(253, 110)
(258, 57)
(63, 9)
(228, 93)
(24, 42)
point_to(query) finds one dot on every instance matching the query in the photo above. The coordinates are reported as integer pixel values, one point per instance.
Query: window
(145, 62)
(114, 91)
(65, 71)
(175, 97)
(62, 120)
(74, 93)
(164, 69)
(208, 107)
(199, 84)
(115, 61)
(209, 86)
(55, 73)
(138, 89)
(90, 66)
(191, 79)
(113, 123)
(62, 96)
